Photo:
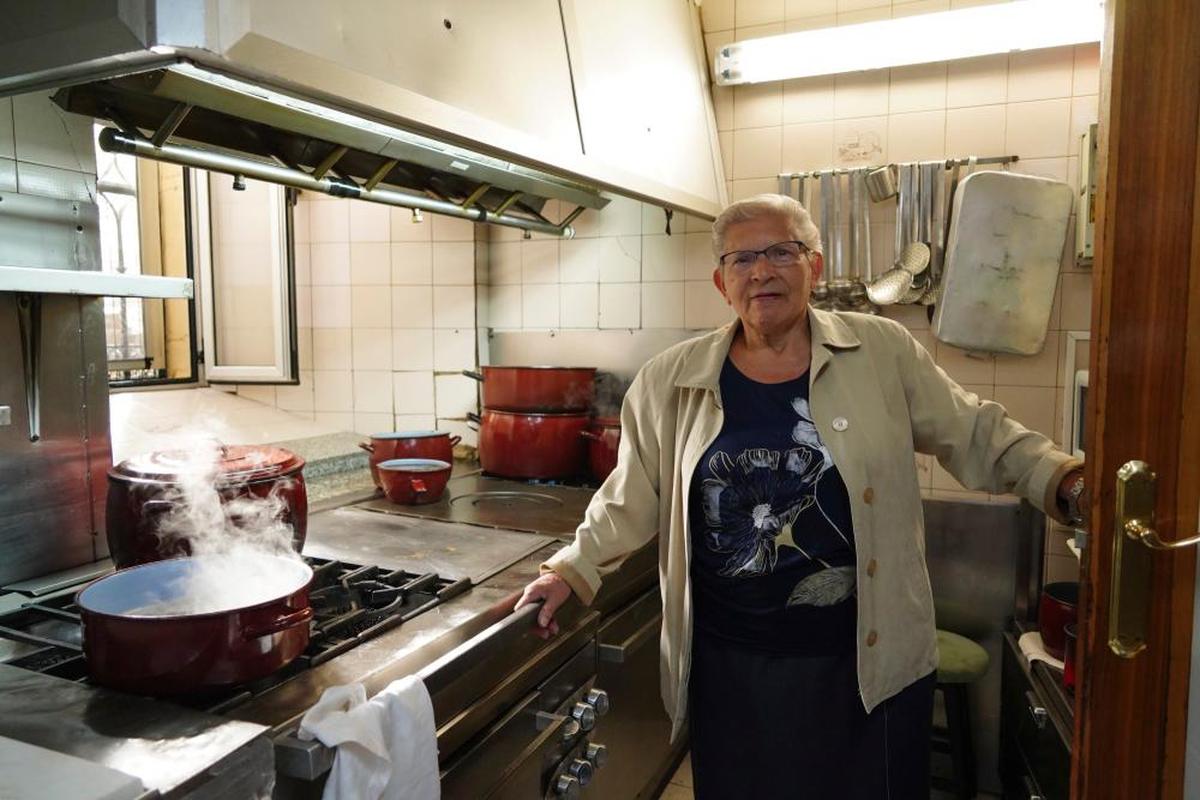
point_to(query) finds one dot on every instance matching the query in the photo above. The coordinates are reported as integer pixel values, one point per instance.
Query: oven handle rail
(618, 653)
(309, 759)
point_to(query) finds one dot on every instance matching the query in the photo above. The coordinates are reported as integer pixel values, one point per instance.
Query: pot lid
(235, 464)
(409, 434)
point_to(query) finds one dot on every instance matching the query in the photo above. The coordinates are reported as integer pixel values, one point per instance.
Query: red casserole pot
(542, 446)
(437, 445)
(131, 648)
(537, 389)
(1056, 610)
(414, 481)
(141, 492)
(604, 436)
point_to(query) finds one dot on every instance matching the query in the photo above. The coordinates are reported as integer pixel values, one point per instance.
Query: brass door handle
(1129, 598)
(1139, 531)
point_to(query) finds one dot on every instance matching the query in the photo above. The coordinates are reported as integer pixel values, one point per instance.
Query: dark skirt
(781, 726)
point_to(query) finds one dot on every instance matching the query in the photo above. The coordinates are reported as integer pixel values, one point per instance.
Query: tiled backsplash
(620, 271)
(45, 151)
(386, 308)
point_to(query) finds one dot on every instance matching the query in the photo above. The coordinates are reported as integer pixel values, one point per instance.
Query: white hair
(799, 221)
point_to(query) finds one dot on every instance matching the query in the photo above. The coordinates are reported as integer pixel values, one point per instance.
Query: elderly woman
(774, 459)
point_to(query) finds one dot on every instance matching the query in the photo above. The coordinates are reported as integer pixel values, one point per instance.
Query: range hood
(202, 106)
(255, 131)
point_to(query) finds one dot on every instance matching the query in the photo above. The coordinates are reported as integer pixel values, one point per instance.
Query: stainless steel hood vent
(195, 116)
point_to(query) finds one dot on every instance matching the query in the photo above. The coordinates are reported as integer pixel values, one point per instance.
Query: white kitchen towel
(386, 746)
(1034, 650)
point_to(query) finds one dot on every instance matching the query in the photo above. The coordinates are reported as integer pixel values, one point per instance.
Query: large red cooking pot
(604, 437)
(436, 445)
(165, 628)
(542, 446)
(143, 489)
(1056, 610)
(537, 389)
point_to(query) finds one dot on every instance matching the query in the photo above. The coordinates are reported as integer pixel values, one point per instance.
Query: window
(244, 253)
(233, 238)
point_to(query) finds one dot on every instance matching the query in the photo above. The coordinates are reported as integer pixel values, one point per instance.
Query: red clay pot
(437, 445)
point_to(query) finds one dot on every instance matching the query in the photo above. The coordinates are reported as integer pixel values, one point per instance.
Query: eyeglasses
(780, 254)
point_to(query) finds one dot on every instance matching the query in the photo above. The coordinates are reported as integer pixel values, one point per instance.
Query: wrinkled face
(767, 296)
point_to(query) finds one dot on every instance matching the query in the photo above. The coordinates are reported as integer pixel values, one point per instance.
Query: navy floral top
(772, 539)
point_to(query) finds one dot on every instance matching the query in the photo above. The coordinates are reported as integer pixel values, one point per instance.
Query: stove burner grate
(351, 605)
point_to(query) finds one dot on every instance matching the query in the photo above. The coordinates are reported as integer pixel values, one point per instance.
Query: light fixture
(920, 39)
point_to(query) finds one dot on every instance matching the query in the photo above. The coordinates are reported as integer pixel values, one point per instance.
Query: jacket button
(840, 424)
(872, 637)
(868, 495)
(871, 568)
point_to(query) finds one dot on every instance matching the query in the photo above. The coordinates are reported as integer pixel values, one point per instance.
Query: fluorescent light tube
(921, 39)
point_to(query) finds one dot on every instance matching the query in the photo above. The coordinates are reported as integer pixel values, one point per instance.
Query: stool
(961, 662)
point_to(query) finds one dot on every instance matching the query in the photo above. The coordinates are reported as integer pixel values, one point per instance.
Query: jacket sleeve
(623, 515)
(975, 440)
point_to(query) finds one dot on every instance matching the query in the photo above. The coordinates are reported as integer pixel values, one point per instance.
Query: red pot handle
(279, 624)
(455, 440)
(418, 486)
(370, 448)
(470, 373)
(595, 437)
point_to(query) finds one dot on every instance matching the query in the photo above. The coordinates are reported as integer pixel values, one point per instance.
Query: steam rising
(610, 391)
(243, 523)
(237, 539)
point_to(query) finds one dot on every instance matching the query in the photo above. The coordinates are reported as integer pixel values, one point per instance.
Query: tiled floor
(680, 787)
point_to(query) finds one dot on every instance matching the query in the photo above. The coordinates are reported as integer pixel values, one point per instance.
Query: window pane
(246, 268)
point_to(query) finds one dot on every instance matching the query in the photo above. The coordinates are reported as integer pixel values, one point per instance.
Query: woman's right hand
(553, 591)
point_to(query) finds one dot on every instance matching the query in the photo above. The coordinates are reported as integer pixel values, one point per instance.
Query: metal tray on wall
(1007, 239)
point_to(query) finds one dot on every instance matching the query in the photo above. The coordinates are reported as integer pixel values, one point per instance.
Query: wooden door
(1145, 388)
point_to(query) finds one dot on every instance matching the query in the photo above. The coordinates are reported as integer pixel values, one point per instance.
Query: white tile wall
(620, 305)
(454, 349)
(412, 348)
(579, 305)
(413, 392)
(412, 263)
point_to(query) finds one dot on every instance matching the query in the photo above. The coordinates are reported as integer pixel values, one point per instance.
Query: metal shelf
(99, 284)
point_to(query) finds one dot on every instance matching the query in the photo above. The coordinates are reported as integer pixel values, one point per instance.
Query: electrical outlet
(5, 416)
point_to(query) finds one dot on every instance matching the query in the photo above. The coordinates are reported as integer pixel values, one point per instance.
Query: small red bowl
(413, 481)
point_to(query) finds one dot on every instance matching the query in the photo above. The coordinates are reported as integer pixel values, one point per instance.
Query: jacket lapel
(829, 335)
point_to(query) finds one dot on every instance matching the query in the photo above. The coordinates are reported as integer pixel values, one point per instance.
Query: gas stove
(351, 604)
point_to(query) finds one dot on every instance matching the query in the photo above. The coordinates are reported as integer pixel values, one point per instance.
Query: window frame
(285, 369)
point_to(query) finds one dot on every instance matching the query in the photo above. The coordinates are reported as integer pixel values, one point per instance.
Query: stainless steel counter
(475, 499)
(163, 746)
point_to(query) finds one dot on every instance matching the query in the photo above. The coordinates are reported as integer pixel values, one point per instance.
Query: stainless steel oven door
(542, 746)
(636, 730)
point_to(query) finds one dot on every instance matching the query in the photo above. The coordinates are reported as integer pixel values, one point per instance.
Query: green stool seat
(960, 660)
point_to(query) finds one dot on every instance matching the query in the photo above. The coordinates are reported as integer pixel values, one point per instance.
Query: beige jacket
(876, 397)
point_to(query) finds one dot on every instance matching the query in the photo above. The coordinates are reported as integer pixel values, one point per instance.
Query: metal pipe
(114, 141)
(949, 163)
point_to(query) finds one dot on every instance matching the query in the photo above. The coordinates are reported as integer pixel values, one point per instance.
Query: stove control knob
(585, 715)
(570, 730)
(598, 699)
(597, 754)
(567, 787)
(581, 770)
